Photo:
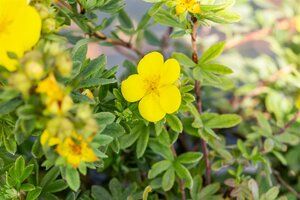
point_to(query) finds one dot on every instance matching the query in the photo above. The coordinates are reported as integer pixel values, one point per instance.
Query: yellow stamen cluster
(192, 6)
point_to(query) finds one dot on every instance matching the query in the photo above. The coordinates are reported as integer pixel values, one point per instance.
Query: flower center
(152, 84)
(75, 148)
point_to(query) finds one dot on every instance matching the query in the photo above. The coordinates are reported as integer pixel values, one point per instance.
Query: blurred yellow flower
(75, 149)
(88, 93)
(193, 6)
(298, 102)
(155, 86)
(48, 139)
(297, 21)
(51, 88)
(20, 27)
(57, 101)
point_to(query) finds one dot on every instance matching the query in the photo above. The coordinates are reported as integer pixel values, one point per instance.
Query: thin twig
(283, 24)
(289, 123)
(102, 36)
(198, 100)
(181, 185)
(165, 40)
(285, 184)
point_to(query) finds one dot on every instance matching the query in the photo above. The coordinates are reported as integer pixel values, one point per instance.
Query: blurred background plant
(235, 136)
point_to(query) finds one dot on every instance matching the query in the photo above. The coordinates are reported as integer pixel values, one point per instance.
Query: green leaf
(196, 188)
(158, 168)
(128, 139)
(216, 69)
(174, 123)
(272, 193)
(56, 186)
(142, 143)
(104, 118)
(102, 140)
(160, 149)
(27, 187)
(183, 59)
(165, 18)
(100, 193)
(72, 178)
(26, 172)
(125, 20)
(209, 190)
(189, 157)
(168, 179)
(51, 175)
(222, 121)
(9, 106)
(184, 174)
(263, 123)
(94, 66)
(92, 82)
(34, 194)
(19, 166)
(151, 38)
(114, 130)
(10, 145)
(211, 53)
(224, 17)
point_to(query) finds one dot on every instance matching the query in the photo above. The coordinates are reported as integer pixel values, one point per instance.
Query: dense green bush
(217, 118)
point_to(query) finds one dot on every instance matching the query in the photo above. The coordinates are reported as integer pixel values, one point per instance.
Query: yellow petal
(150, 108)
(88, 154)
(180, 8)
(31, 27)
(20, 27)
(169, 98)
(46, 138)
(133, 88)
(150, 64)
(195, 8)
(170, 72)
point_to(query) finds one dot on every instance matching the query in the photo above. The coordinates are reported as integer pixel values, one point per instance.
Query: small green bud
(49, 25)
(64, 64)
(42, 10)
(20, 82)
(34, 70)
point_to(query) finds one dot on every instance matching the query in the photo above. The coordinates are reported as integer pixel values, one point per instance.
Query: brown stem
(102, 36)
(181, 185)
(198, 100)
(260, 34)
(285, 184)
(289, 123)
(165, 40)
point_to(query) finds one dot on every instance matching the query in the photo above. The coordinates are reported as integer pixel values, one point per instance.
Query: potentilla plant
(72, 127)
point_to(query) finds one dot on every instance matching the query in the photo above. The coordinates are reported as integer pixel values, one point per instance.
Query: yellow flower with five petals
(75, 150)
(20, 27)
(193, 6)
(154, 86)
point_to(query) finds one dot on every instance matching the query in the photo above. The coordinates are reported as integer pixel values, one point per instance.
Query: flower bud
(64, 64)
(43, 10)
(21, 82)
(49, 25)
(88, 93)
(34, 70)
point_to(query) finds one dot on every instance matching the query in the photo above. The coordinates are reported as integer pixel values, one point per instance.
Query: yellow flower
(193, 6)
(20, 27)
(298, 102)
(297, 22)
(88, 93)
(51, 88)
(47, 139)
(154, 86)
(75, 149)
